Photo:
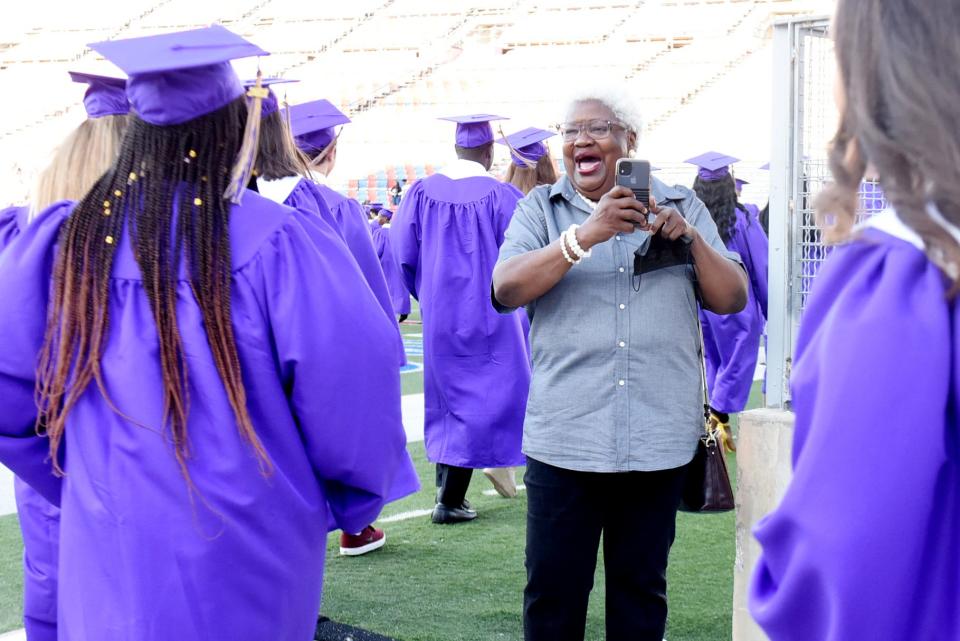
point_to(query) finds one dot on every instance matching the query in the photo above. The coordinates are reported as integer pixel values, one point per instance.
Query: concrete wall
(763, 471)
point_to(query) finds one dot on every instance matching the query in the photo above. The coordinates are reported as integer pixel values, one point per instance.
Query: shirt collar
(890, 223)
(462, 168)
(278, 190)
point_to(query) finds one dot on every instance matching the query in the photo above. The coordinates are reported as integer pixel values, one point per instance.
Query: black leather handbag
(707, 487)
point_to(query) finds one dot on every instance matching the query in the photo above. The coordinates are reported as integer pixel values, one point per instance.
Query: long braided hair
(165, 190)
(720, 198)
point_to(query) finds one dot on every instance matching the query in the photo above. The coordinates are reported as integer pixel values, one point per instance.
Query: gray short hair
(620, 101)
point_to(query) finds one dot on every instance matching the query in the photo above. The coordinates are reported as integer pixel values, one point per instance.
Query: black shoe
(448, 515)
(465, 505)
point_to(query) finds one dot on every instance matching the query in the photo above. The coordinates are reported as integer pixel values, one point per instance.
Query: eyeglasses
(596, 129)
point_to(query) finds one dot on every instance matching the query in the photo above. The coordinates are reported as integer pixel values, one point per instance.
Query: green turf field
(428, 580)
(465, 582)
(412, 383)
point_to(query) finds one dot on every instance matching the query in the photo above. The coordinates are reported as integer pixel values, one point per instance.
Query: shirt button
(622, 306)
(621, 382)
(622, 270)
(618, 237)
(622, 344)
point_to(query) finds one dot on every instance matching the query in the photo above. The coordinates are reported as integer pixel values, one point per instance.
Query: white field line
(402, 516)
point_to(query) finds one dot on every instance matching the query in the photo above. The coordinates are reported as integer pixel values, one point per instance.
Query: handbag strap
(703, 374)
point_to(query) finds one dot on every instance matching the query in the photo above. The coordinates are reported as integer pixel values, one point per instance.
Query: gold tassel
(247, 156)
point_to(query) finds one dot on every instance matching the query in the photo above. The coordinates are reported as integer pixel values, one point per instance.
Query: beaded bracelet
(563, 248)
(575, 244)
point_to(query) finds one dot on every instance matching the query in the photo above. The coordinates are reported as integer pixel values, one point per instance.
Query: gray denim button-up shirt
(616, 380)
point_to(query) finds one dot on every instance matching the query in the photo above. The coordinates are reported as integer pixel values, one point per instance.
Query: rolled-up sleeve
(527, 230)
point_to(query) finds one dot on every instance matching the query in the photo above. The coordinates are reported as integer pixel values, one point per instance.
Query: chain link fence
(804, 121)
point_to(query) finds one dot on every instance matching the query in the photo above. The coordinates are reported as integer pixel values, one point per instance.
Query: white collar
(462, 168)
(278, 190)
(890, 223)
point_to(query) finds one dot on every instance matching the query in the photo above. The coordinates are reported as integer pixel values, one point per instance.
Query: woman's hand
(618, 212)
(669, 223)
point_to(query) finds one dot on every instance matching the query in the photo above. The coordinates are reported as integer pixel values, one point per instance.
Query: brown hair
(79, 161)
(278, 156)
(526, 178)
(166, 190)
(899, 65)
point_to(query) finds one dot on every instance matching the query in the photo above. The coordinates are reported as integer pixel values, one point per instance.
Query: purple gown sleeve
(26, 265)
(10, 223)
(864, 544)
(336, 354)
(755, 254)
(509, 198)
(405, 239)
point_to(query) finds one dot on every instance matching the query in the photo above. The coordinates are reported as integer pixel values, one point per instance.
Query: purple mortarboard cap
(526, 145)
(105, 96)
(386, 213)
(177, 77)
(740, 183)
(712, 165)
(270, 104)
(765, 166)
(474, 130)
(312, 124)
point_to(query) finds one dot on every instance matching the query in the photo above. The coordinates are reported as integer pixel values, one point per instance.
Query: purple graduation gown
(39, 519)
(732, 342)
(866, 541)
(346, 216)
(446, 238)
(244, 559)
(399, 295)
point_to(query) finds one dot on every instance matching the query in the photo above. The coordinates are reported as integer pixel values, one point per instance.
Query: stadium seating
(395, 65)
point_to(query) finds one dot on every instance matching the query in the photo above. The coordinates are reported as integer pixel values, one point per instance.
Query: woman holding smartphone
(614, 411)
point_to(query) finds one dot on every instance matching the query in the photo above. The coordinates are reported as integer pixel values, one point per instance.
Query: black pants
(566, 513)
(453, 482)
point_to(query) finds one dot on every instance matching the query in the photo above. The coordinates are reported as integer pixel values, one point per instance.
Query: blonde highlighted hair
(86, 154)
(526, 178)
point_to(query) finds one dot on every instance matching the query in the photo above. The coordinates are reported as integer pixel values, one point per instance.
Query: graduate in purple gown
(76, 164)
(446, 238)
(381, 242)
(865, 543)
(211, 378)
(280, 170)
(732, 342)
(313, 127)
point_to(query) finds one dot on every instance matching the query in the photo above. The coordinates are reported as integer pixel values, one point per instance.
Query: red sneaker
(368, 540)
